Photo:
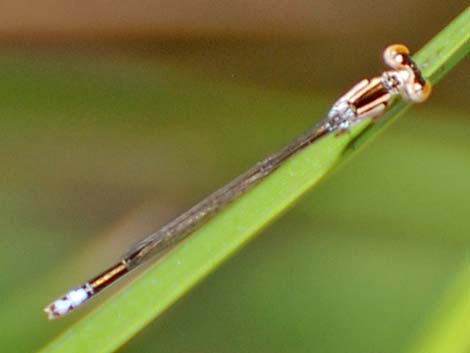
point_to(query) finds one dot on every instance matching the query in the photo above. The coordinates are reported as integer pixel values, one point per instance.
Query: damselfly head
(414, 88)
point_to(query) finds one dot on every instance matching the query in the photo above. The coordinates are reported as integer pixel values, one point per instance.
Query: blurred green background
(117, 117)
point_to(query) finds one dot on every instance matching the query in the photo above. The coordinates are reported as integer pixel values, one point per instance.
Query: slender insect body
(368, 99)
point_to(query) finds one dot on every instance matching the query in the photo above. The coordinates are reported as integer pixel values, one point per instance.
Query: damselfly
(366, 100)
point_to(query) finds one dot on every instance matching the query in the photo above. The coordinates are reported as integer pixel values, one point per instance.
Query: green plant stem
(127, 312)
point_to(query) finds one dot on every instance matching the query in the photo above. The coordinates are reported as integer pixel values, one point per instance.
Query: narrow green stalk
(127, 312)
